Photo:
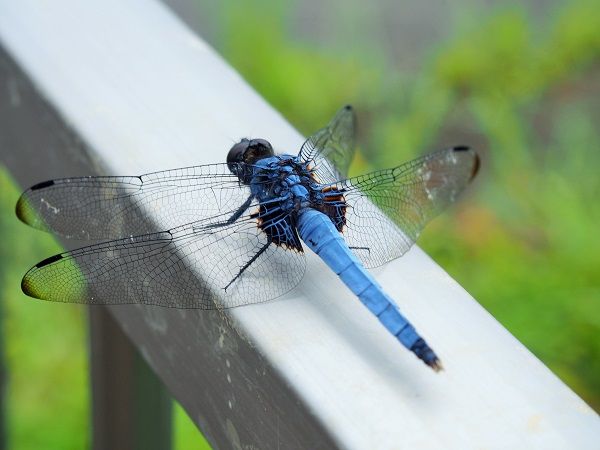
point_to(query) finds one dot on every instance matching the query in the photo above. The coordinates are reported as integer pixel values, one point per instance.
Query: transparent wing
(387, 209)
(112, 207)
(331, 149)
(165, 268)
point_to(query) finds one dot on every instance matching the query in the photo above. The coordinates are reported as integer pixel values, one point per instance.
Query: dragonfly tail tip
(436, 365)
(427, 355)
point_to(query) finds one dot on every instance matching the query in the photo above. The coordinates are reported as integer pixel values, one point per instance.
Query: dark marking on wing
(42, 185)
(49, 260)
(476, 161)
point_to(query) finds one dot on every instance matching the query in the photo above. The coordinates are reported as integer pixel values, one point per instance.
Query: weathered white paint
(147, 95)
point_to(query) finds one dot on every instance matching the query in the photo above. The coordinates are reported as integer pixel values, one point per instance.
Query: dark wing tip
(30, 284)
(26, 288)
(26, 213)
(26, 285)
(461, 148)
(476, 166)
(476, 160)
(21, 209)
(42, 185)
(48, 261)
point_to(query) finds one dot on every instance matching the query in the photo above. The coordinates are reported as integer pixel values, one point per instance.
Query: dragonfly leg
(254, 258)
(236, 215)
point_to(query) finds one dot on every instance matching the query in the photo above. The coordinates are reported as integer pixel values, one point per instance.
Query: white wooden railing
(124, 88)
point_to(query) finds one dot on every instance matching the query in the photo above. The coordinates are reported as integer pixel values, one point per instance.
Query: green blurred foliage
(523, 240)
(525, 94)
(45, 345)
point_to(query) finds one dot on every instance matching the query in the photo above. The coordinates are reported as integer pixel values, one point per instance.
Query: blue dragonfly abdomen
(320, 234)
(288, 196)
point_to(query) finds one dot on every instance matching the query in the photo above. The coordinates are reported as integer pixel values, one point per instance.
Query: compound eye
(258, 149)
(236, 156)
(236, 153)
(261, 143)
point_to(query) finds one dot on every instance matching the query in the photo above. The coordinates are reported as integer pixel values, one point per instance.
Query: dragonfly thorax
(282, 180)
(283, 186)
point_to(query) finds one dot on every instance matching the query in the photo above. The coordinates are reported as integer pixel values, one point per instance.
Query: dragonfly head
(244, 154)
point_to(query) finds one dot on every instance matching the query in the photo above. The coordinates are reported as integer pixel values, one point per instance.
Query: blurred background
(519, 82)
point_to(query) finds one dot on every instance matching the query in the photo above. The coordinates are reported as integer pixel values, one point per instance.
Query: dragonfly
(232, 234)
